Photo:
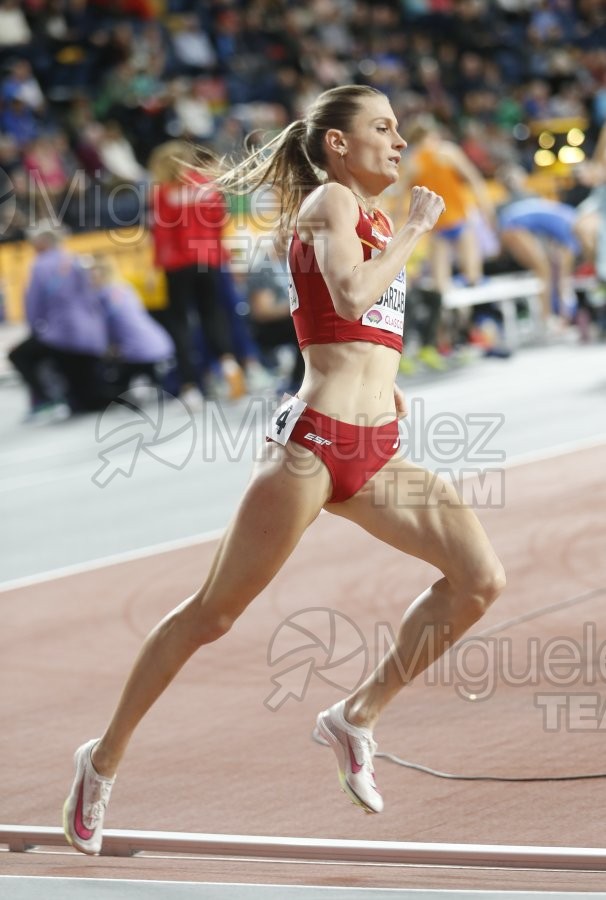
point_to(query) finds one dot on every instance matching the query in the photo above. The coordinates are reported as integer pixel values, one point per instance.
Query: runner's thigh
(422, 515)
(287, 492)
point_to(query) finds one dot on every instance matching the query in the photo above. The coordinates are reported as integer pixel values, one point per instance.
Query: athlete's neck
(368, 204)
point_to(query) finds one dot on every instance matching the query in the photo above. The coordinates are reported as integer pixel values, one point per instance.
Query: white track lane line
(111, 560)
(521, 459)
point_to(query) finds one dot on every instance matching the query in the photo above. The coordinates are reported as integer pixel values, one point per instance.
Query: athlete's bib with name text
(388, 312)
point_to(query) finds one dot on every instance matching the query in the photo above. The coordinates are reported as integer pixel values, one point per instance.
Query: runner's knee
(209, 627)
(197, 625)
(487, 582)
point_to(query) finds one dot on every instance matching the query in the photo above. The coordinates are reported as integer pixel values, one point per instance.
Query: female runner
(348, 307)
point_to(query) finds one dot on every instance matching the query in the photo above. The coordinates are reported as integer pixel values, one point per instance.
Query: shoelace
(368, 748)
(97, 807)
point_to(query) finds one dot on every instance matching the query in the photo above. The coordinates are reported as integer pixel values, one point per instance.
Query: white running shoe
(354, 748)
(84, 809)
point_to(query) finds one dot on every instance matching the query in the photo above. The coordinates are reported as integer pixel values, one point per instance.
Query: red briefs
(351, 453)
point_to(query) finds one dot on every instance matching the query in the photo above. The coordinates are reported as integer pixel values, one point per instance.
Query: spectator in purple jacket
(68, 329)
(139, 346)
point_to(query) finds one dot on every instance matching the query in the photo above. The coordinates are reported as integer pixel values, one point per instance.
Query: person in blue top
(138, 344)
(539, 235)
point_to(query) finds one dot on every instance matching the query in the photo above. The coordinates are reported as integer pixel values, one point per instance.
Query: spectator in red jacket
(188, 215)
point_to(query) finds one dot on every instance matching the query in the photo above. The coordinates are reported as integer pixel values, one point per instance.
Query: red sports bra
(314, 315)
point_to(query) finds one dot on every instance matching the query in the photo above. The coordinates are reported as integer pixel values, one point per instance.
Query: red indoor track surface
(212, 758)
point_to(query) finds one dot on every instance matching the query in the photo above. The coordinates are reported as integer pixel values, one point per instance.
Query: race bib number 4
(285, 418)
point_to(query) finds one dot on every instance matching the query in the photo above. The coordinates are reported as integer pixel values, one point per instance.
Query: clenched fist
(425, 208)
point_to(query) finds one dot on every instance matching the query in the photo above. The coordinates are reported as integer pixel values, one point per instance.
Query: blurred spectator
(118, 157)
(138, 345)
(68, 329)
(21, 83)
(10, 157)
(79, 114)
(470, 75)
(230, 133)
(47, 173)
(149, 48)
(536, 100)
(15, 211)
(441, 166)
(271, 321)
(192, 115)
(476, 25)
(591, 26)
(117, 91)
(599, 101)
(545, 25)
(439, 102)
(234, 300)
(538, 235)
(87, 142)
(328, 69)
(590, 219)
(227, 35)
(188, 216)
(422, 330)
(17, 119)
(590, 228)
(567, 103)
(67, 33)
(193, 49)
(106, 197)
(14, 30)
(284, 90)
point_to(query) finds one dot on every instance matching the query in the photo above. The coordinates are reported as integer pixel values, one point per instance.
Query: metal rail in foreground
(22, 838)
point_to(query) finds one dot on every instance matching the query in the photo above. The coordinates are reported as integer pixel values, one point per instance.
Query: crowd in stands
(89, 89)
(98, 85)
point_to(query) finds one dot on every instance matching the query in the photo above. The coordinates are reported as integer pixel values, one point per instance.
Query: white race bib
(388, 312)
(285, 418)
(293, 297)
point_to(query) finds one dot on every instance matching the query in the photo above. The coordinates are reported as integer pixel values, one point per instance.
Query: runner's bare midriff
(351, 381)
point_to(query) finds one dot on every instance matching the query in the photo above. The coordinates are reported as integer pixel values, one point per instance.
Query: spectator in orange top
(441, 166)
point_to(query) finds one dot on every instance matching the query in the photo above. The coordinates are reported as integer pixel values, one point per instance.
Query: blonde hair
(167, 161)
(420, 127)
(292, 161)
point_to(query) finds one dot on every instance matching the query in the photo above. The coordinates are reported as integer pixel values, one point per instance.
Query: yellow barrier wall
(129, 247)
